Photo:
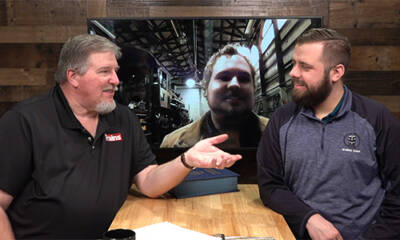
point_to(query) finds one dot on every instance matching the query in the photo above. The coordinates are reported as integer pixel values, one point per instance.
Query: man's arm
(273, 190)
(15, 163)
(155, 180)
(321, 229)
(5, 226)
(387, 222)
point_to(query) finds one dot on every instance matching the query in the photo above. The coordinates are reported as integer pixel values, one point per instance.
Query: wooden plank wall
(32, 33)
(373, 27)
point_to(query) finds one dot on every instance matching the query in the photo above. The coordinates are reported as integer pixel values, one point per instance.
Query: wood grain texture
(372, 37)
(17, 94)
(96, 9)
(234, 214)
(46, 12)
(375, 58)
(29, 55)
(270, 8)
(23, 76)
(374, 82)
(232, 11)
(366, 14)
(266, 3)
(39, 34)
(3, 13)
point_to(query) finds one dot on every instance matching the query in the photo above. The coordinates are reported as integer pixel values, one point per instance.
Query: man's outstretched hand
(205, 155)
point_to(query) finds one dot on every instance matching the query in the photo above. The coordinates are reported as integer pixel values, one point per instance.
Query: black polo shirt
(65, 183)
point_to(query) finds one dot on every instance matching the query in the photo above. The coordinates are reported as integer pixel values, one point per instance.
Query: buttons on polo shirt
(91, 140)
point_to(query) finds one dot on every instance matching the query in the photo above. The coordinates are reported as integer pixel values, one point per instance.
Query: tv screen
(163, 78)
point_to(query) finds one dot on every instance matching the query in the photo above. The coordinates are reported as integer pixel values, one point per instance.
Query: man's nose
(114, 79)
(234, 82)
(294, 72)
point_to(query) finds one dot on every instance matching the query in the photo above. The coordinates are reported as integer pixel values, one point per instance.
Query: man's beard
(229, 113)
(105, 107)
(313, 96)
(230, 119)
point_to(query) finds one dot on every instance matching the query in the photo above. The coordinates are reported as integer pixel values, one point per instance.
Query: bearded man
(329, 160)
(70, 155)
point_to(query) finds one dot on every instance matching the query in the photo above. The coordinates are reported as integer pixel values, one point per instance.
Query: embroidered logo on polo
(352, 141)
(113, 137)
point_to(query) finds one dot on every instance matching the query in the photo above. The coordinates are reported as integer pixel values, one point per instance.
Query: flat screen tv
(162, 70)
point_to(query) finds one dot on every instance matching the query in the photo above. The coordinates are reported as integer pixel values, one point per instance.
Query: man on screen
(229, 82)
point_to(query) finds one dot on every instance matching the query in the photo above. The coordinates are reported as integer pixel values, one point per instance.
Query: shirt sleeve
(273, 191)
(15, 153)
(387, 222)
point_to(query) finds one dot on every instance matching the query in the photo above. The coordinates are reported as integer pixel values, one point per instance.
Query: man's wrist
(183, 160)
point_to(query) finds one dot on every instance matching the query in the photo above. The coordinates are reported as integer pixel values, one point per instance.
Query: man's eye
(244, 78)
(305, 67)
(225, 78)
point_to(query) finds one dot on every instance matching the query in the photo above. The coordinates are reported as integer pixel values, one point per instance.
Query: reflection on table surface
(232, 214)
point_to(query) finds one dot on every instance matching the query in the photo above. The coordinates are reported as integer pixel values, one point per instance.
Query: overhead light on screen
(190, 83)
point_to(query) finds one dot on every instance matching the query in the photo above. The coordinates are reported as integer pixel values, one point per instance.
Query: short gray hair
(76, 51)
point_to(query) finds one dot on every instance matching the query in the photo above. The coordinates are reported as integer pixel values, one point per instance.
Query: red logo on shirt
(113, 137)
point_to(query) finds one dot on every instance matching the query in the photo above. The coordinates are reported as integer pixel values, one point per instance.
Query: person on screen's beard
(229, 82)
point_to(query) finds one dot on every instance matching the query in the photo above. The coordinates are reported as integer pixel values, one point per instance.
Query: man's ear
(73, 77)
(337, 72)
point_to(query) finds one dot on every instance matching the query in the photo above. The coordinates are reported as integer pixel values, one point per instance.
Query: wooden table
(233, 214)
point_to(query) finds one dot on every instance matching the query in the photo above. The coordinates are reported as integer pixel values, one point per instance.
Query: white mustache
(112, 88)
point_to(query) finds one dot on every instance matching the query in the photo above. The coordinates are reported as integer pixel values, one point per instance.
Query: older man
(229, 81)
(329, 161)
(69, 156)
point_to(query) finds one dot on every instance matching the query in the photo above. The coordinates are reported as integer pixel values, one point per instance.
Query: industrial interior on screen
(163, 61)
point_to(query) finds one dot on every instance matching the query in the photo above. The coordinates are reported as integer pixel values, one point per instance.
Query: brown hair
(337, 48)
(230, 49)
